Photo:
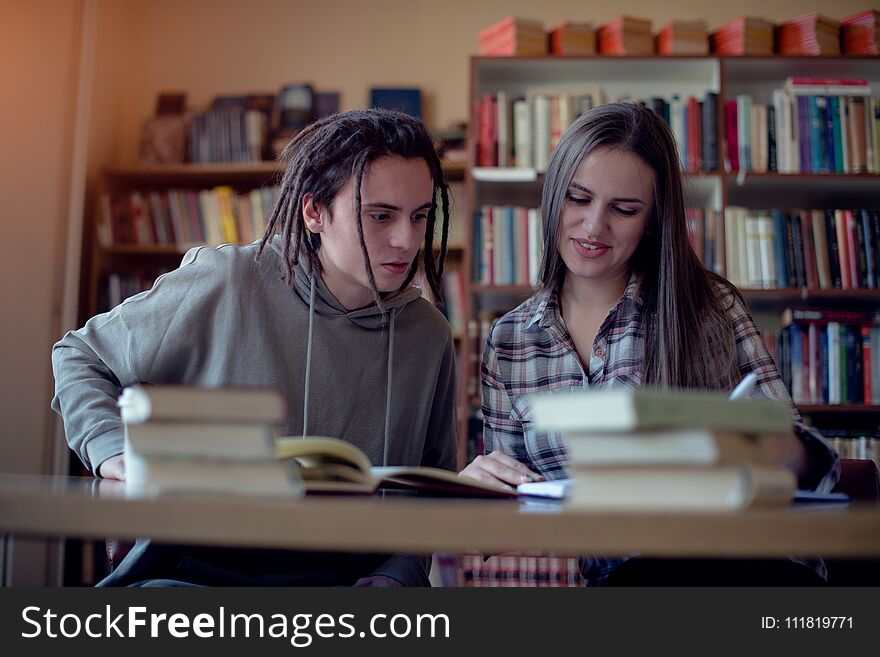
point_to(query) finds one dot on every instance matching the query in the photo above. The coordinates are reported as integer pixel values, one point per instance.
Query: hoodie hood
(324, 303)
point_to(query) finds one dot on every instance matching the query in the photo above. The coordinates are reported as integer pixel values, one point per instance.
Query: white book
(542, 132)
(766, 238)
(506, 174)
(536, 244)
(626, 409)
(522, 134)
(503, 126)
(671, 488)
(151, 476)
(742, 245)
(731, 254)
(755, 274)
(782, 120)
(668, 447)
(744, 131)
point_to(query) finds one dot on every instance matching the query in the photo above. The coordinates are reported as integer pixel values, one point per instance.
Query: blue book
(407, 100)
(780, 245)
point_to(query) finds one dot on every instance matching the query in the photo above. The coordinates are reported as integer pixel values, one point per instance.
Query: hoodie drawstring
(309, 357)
(388, 381)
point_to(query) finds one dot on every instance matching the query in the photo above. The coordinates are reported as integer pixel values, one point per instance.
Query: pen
(745, 386)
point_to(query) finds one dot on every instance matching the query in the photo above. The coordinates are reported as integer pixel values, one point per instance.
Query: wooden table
(89, 508)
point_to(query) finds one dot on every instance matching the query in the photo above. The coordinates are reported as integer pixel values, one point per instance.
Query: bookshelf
(714, 190)
(109, 250)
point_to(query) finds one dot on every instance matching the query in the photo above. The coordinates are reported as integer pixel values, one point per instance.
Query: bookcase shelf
(642, 78)
(145, 260)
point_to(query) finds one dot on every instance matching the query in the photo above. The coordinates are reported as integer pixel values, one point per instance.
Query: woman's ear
(312, 214)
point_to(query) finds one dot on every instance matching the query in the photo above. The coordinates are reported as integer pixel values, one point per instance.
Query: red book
(732, 139)
(809, 249)
(487, 140)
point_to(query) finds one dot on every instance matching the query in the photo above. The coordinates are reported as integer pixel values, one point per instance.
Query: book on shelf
(810, 34)
(331, 465)
(746, 35)
(626, 35)
(827, 356)
(860, 33)
(683, 38)
(570, 38)
(814, 249)
(513, 36)
(184, 217)
(626, 409)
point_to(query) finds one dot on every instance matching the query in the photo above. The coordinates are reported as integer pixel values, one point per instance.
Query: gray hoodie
(383, 381)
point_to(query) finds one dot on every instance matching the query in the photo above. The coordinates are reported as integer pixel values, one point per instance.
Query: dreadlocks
(323, 157)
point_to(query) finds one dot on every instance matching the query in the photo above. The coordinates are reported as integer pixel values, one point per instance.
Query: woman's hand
(791, 454)
(500, 469)
(113, 468)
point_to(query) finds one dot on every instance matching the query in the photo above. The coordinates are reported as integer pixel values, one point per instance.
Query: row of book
(227, 135)
(808, 34)
(812, 125)
(507, 245)
(854, 444)
(185, 217)
(829, 364)
(814, 249)
(828, 356)
(523, 131)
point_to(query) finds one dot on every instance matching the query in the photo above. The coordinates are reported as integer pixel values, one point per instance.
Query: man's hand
(113, 468)
(500, 469)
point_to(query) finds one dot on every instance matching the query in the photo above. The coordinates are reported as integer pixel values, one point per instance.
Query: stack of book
(573, 39)
(860, 33)
(653, 450)
(810, 34)
(512, 37)
(683, 38)
(625, 35)
(185, 439)
(746, 35)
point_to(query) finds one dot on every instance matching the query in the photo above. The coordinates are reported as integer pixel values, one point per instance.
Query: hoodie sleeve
(440, 444)
(150, 337)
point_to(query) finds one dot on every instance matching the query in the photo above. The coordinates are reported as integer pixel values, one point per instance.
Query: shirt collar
(546, 305)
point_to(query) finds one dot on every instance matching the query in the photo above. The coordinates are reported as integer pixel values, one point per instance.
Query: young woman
(624, 300)
(322, 309)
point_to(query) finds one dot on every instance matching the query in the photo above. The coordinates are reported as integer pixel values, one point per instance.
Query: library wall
(208, 48)
(39, 55)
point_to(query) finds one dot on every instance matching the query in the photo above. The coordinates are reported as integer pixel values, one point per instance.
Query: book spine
(833, 249)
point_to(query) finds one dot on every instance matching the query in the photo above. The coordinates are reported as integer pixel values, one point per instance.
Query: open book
(331, 465)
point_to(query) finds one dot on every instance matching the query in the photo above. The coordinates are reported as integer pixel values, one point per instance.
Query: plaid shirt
(529, 350)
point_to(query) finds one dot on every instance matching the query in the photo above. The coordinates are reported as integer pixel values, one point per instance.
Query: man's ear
(312, 214)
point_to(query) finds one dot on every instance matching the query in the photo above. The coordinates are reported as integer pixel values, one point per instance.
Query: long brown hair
(689, 342)
(323, 157)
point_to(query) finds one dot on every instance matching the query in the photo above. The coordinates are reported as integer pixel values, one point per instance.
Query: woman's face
(606, 210)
